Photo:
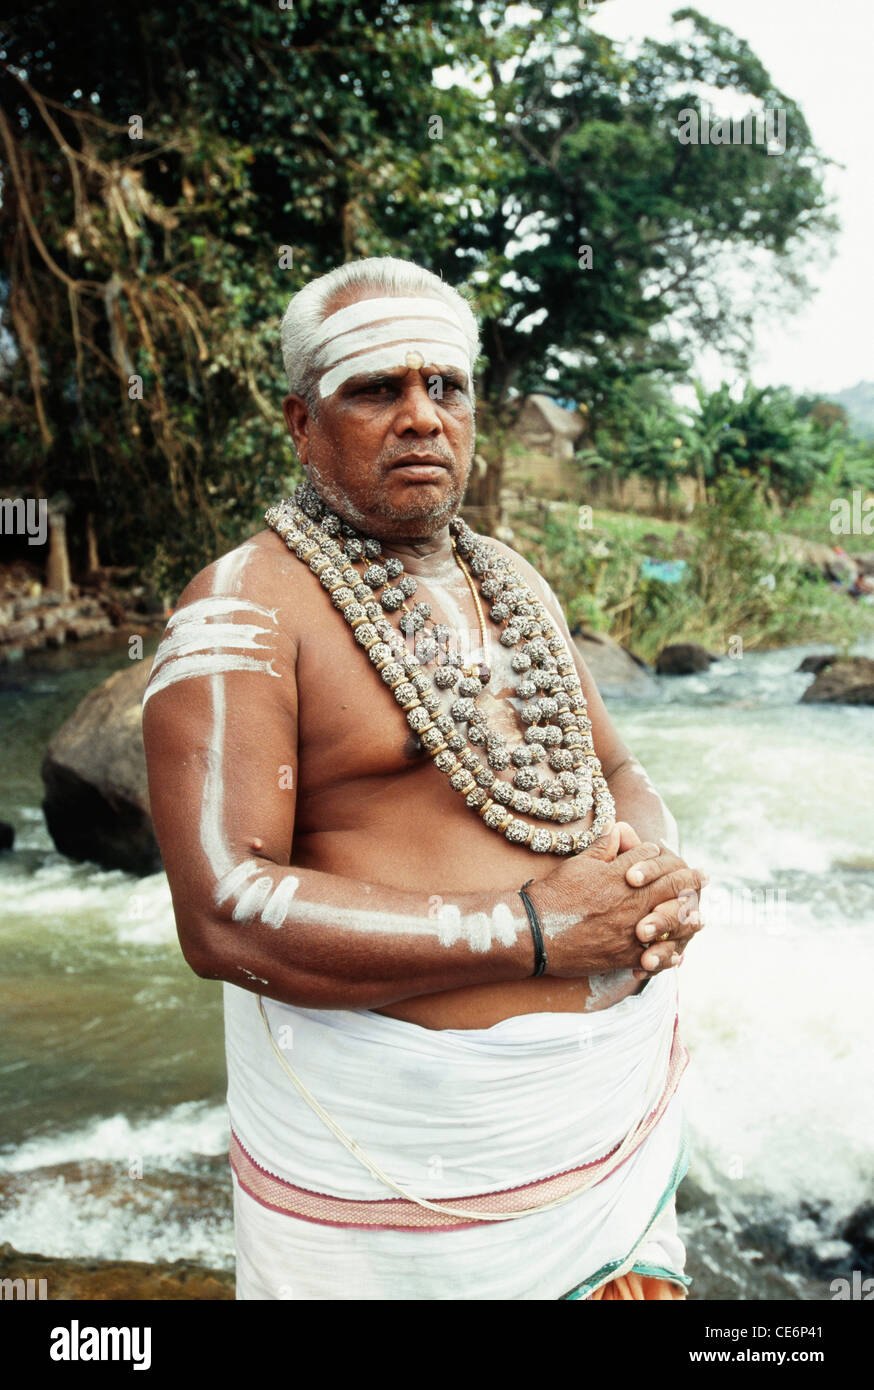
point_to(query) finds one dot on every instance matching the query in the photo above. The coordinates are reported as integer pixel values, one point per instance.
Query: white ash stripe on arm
(212, 664)
(218, 607)
(199, 636)
(234, 879)
(275, 911)
(252, 899)
(227, 579)
(199, 641)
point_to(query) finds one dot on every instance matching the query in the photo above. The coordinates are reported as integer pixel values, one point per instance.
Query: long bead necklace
(558, 732)
(470, 670)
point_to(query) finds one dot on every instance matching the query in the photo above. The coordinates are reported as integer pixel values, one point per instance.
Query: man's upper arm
(220, 732)
(612, 752)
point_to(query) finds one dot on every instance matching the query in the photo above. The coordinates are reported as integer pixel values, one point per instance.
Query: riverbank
(728, 577)
(69, 1280)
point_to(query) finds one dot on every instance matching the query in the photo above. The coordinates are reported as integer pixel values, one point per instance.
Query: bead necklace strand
(558, 732)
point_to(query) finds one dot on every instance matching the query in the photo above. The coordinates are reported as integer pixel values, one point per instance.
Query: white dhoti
(573, 1120)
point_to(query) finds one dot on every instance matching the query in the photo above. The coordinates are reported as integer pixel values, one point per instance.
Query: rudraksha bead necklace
(558, 730)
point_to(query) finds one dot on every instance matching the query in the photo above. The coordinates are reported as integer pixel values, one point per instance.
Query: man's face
(355, 443)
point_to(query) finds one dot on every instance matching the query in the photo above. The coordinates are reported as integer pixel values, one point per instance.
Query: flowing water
(114, 1134)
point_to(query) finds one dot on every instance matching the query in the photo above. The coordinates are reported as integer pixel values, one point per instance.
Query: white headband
(357, 339)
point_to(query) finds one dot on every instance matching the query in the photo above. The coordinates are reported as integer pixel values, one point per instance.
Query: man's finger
(648, 862)
(674, 884)
(641, 864)
(607, 845)
(664, 918)
(672, 917)
(690, 909)
(663, 956)
(662, 959)
(628, 836)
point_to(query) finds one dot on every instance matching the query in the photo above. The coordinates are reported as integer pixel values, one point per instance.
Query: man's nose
(417, 410)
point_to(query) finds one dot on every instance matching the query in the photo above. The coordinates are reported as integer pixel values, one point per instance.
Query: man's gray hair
(387, 276)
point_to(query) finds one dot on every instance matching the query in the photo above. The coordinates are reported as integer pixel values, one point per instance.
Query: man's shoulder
(237, 615)
(260, 570)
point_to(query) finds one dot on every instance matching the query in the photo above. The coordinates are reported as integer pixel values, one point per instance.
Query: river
(113, 1139)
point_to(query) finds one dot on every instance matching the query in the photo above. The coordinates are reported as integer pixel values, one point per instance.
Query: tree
(762, 436)
(172, 173)
(599, 231)
(642, 433)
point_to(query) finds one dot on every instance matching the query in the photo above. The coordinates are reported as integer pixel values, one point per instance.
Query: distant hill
(858, 402)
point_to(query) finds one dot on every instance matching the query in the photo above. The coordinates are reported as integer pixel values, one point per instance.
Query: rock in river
(96, 791)
(812, 665)
(683, 659)
(848, 680)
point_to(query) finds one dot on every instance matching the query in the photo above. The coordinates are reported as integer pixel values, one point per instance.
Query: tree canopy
(172, 173)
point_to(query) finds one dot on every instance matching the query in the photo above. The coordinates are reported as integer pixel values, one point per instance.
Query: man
(438, 1088)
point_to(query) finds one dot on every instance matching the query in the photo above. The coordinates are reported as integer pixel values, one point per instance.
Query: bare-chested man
(415, 1113)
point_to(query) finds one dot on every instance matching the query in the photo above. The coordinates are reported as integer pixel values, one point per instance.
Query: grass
(632, 528)
(810, 521)
(738, 585)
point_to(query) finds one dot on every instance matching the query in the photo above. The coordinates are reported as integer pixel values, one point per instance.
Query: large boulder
(96, 790)
(614, 670)
(683, 659)
(847, 680)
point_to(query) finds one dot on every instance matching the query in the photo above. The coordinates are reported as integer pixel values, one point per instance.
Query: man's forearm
(321, 940)
(638, 803)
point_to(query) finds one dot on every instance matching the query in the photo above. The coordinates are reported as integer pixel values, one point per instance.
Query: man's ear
(297, 418)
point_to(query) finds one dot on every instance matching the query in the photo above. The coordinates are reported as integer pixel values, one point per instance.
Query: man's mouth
(413, 460)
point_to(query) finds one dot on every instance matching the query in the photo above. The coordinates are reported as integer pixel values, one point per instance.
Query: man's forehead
(377, 334)
(346, 298)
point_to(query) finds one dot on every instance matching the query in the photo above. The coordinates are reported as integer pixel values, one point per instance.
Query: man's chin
(421, 515)
(419, 502)
(418, 510)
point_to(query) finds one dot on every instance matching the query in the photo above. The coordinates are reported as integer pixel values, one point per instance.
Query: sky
(821, 56)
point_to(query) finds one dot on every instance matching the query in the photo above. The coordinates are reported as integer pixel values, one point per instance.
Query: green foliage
(739, 582)
(641, 432)
(783, 443)
(762, 436)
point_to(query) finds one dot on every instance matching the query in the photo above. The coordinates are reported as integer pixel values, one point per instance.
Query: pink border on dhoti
(399, 1214)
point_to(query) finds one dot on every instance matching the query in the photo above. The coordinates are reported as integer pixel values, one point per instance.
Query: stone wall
(539, 473)
(30, 621)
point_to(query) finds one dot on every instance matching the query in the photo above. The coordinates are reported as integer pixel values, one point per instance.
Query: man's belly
(498, 866)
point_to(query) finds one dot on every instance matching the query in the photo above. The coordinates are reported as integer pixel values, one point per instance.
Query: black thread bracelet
(539, 949)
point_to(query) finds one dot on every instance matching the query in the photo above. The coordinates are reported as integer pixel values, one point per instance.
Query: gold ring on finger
(665, 936)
